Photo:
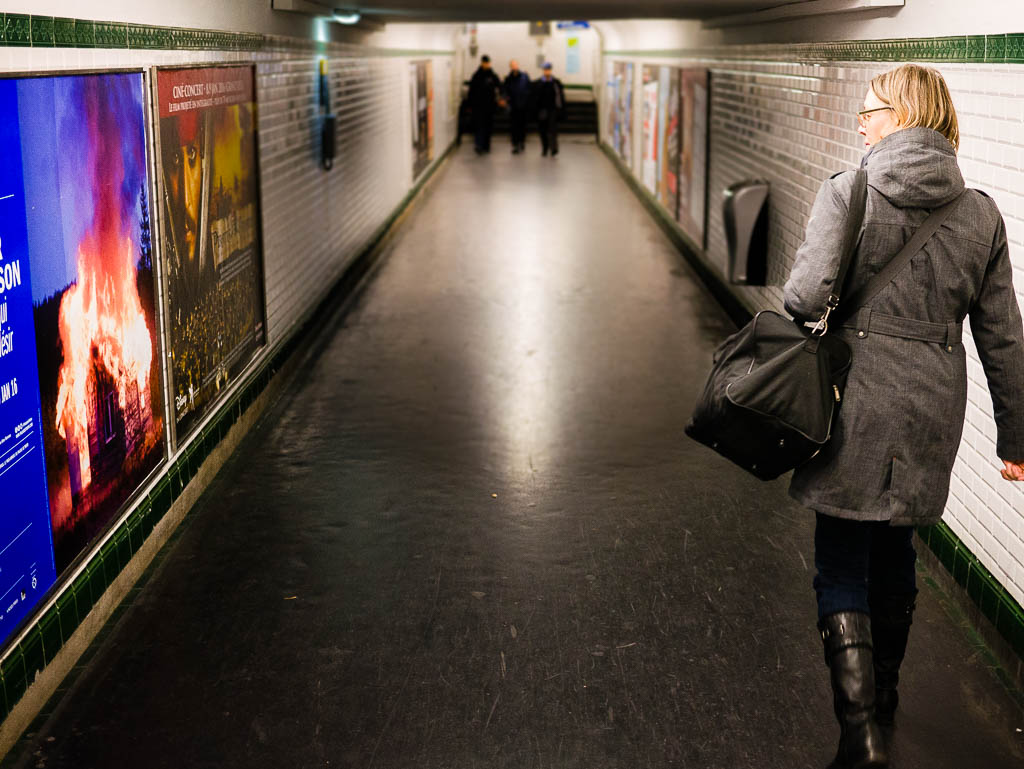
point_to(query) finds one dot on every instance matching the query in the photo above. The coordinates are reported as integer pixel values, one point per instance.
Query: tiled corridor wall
(314, 224)
(790, 120)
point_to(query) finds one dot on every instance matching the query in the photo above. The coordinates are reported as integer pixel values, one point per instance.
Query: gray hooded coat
(899, 426)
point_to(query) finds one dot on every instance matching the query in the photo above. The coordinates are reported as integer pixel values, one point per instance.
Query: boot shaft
(848, 652)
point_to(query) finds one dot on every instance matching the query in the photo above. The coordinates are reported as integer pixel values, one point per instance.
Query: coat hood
(914, 168)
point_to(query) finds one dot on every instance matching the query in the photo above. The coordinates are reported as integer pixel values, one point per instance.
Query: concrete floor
(472, 534)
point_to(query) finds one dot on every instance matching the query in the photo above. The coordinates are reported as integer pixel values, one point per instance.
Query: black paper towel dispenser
(745, 210)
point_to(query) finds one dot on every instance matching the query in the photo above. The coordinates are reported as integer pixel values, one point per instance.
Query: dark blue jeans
(861, 563)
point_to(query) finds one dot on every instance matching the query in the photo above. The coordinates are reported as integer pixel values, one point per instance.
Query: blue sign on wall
(574, 25)
(26, 551)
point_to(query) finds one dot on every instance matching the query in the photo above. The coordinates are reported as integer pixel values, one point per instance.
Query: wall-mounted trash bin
(745, 210)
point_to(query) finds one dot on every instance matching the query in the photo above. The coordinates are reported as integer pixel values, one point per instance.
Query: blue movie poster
(81, 409)
(26, 552)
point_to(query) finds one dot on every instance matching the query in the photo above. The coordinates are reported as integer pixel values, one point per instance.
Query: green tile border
(18, 30)
(995, 603)
(24, 30)
(972, 49)
(64, 33)
(42, 31)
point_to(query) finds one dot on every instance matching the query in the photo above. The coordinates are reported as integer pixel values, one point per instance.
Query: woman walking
(887, 467)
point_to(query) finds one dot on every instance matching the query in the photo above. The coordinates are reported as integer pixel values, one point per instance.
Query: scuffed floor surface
(472, 534)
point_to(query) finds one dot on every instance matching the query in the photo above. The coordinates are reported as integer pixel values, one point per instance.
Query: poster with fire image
(83, 195)
(211, 256)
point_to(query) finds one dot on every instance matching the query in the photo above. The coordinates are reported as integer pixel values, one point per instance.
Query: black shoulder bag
(775, 386)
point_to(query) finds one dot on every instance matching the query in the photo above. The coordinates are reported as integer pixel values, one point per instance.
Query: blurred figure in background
(549, 106)
(517, 93)
(484, 88)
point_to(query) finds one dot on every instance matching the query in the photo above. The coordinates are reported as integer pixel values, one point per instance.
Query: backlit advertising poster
(26, 553)
(622, 134)
(693, 164)
(612, 85)
(212, 255)
(83, 202)
(668, 185)
(422, 98)
(649, 158)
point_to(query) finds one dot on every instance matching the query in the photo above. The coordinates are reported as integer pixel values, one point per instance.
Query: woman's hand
(1013, 471)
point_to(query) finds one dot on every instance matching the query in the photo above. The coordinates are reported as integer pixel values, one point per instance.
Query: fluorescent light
(346, 18)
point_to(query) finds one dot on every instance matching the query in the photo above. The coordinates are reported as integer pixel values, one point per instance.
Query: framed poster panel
(83, 431)
(212, 259)
(422, 96)
(668, 188)
(623, 133)
(694, 89)
(649, 147)
(611, 102)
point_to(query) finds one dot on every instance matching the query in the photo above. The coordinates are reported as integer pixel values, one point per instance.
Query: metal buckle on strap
(821, 327)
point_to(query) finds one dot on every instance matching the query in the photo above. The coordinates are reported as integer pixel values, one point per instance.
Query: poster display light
(212, 255)
(81, 406)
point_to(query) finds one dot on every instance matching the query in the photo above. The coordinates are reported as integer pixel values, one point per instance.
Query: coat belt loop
(953, 334)
(863, 322)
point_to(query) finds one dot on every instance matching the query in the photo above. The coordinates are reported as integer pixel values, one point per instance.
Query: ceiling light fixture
(346, 17)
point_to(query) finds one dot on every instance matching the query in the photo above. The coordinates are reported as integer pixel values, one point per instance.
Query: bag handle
(869, 290)
(851, 239)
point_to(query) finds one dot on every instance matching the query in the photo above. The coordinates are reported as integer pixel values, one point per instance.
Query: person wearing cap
(549, 105)
(517, 93)
(484, 92)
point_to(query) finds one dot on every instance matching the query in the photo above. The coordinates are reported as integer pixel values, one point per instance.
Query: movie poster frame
(80, 562)
(175, 441)
(702, 242)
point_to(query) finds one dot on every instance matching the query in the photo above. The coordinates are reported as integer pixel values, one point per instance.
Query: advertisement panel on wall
(27, 567)
(212, 255)
(611, 104)
(74, 214)
(693, 155)
(622, 130)
(422, 99)
(669, 185)
(649, 148)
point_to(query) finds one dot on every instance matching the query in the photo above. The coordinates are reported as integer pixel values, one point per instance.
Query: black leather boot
(847, 637)
(891, 618)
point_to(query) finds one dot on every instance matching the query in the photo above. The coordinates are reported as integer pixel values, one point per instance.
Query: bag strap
(851, 239)
(869, 290)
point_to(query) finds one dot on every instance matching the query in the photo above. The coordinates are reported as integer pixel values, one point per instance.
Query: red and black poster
(212, 256)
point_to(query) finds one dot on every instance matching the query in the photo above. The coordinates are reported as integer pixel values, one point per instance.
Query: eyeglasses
(865, 114)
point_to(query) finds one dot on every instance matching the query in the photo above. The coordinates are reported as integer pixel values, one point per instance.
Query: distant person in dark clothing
(549, 105)
(517, 93)
(484, 89)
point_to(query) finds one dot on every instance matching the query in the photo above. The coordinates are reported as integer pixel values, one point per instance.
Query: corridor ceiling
(525, 10)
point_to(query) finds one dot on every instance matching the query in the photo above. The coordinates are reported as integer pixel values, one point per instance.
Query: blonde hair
(918, 97)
